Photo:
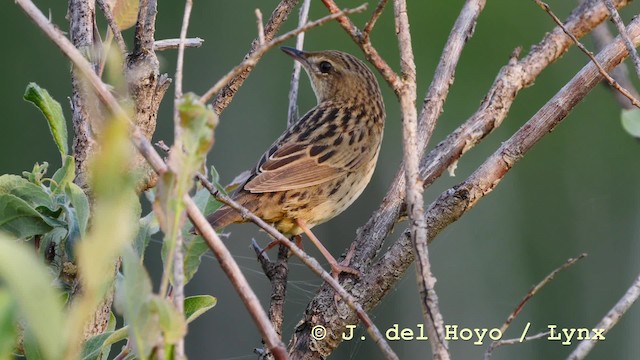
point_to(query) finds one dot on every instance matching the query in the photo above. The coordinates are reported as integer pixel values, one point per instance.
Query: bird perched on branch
(321, 164)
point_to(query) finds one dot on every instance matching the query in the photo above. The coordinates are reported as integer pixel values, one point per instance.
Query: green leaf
(631, 122)
(33, 194)
(64, 176)
(80, 203)
(8, 328)
(148, 227)
(172, 323)
(194, 246)
(37, 301)
(93, 347)
(194, 306)
(133, 295)
(53, 112)
(20, 219)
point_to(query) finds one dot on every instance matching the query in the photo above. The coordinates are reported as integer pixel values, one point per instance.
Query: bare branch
(489, 352)
(374, 17)
(226, 94)
(260, 27)
(615, 16)
(611, 81)
(161, 45)
(414, 190)
(610, 320)
(370, 52)
(252, 59)
(601, 38)
(111, 22)
(227, 262)
(531, 293)
(292, 112)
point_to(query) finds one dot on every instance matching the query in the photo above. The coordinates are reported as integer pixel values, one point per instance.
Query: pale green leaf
(8, 327)
(53, 112)
(38, 302)
(631, 122)
(133, 295)
(64, 176)
(173, 324)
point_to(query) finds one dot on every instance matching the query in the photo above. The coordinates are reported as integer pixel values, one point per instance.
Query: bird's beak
(298, 55)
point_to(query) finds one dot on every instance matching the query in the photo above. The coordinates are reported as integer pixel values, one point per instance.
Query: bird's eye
(325, 67)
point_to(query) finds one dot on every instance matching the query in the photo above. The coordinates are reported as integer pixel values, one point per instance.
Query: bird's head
(336, 76)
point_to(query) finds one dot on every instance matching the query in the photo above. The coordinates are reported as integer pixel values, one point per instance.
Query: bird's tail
(221, 218)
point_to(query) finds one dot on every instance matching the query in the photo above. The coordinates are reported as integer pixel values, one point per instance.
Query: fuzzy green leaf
(37, 301)
(53, 112)
(8, 328)
(133, 296)
(80, 203)
(20, 219)
(33, 194)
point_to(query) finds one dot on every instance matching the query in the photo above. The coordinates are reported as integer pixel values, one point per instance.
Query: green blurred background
(577, 191)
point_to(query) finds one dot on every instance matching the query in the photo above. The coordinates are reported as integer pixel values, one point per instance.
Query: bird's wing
(314, 150)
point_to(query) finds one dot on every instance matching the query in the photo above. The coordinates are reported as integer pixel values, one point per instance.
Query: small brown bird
(322, 162)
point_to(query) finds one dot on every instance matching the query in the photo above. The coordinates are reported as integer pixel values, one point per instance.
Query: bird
(324, 160)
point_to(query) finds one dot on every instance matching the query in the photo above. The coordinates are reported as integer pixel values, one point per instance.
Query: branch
(161, 45)
(143, 145)
(411, 155)
(615, 16)
(601, 38)
(369, 51)
(531, 293)
(113, 25)
(250, 61)
(611, 319)
(226, 94)
(611, 81)
(292, 112)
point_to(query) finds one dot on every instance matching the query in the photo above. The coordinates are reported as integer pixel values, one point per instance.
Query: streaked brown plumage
(322, 162)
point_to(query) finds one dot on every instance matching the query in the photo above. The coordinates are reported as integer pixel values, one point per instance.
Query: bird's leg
(336, 268)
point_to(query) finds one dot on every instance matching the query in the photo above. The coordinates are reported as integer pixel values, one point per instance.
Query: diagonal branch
(279, 15)
(610, 320)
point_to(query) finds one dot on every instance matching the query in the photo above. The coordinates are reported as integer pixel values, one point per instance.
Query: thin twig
(178, 255)
(292, 112)
(615, 16)
(311, 262)
(366, 32)
(531, 293)
(601, 38)
(167, 44)
(608, 77)
(257, 54)
(609, 321)
(414, 190)
(498, 343)
(278, 16)
(226, 260)
(113, 25)
(369, 51)
(260, 27)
